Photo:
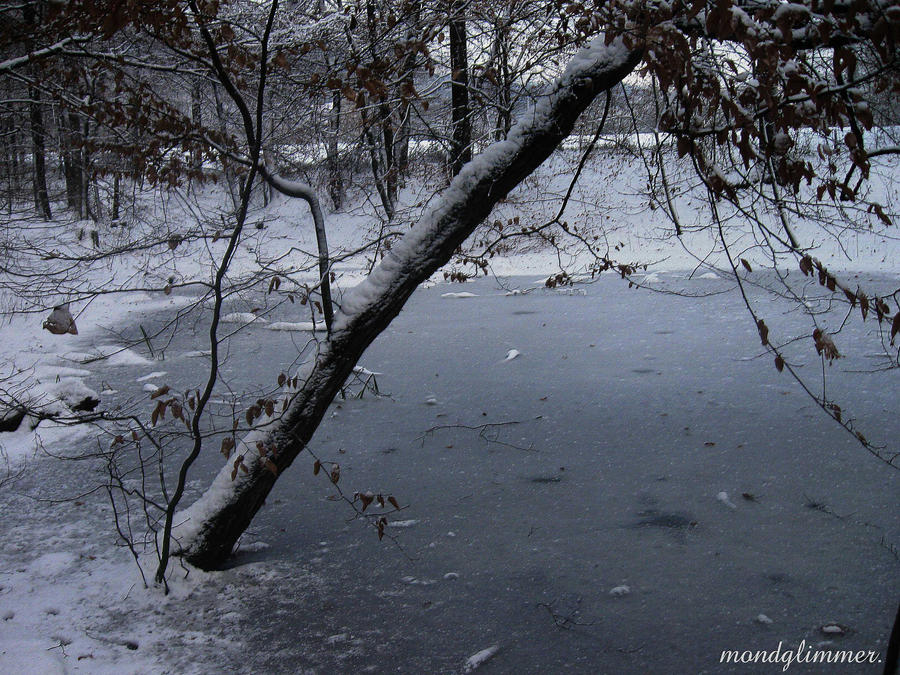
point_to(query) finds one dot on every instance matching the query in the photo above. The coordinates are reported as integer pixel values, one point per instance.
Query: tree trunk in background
(32, 14)
(72, 162)
(407, 93)
(504, 85)
(385, 121)
(212, 525)
(226, 164)
(116, 198)
(461, 145)
(38, 154)
(333, 153)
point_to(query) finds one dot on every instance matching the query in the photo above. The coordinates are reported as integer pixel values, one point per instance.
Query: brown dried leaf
(393, 501)
(763, 331)
(895, 326)
(806, 265)
(746, 265)
(162, 391)
(270, 465)
(317, 466)
(335, 475)
(779, 363)
(227, 446)
(282, 378)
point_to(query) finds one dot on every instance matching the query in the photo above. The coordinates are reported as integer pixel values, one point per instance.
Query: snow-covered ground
(652, 489)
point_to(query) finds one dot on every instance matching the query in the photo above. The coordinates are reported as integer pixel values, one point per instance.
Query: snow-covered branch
(19, 61)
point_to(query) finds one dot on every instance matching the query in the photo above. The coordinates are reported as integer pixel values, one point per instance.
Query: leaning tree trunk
(211, 526)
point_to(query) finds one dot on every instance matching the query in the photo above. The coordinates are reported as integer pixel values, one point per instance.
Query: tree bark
(38, 154)
(504, 83)
(212, 525)
(407, 92)
(461, 145)
(333, 152)
(32, 15)
(73, 167)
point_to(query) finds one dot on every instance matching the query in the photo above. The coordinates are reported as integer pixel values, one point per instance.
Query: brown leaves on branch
(367, 498)
(825, 345)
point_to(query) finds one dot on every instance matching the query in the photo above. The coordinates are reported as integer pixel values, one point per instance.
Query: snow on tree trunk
(206, 532)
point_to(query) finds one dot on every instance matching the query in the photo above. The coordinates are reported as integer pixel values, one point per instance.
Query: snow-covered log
(207, 531)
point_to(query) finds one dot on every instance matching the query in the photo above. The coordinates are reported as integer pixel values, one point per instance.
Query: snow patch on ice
(404, 523)
(152, 376)
(460, 295)
(480, 658)
(49, 371)
(242, 318)
(297, 326)
(723, 497)
(126, 357)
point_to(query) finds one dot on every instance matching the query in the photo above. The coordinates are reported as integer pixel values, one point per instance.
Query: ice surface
(613, 423)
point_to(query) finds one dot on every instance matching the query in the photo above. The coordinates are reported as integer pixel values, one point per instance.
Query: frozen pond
(584, 528)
